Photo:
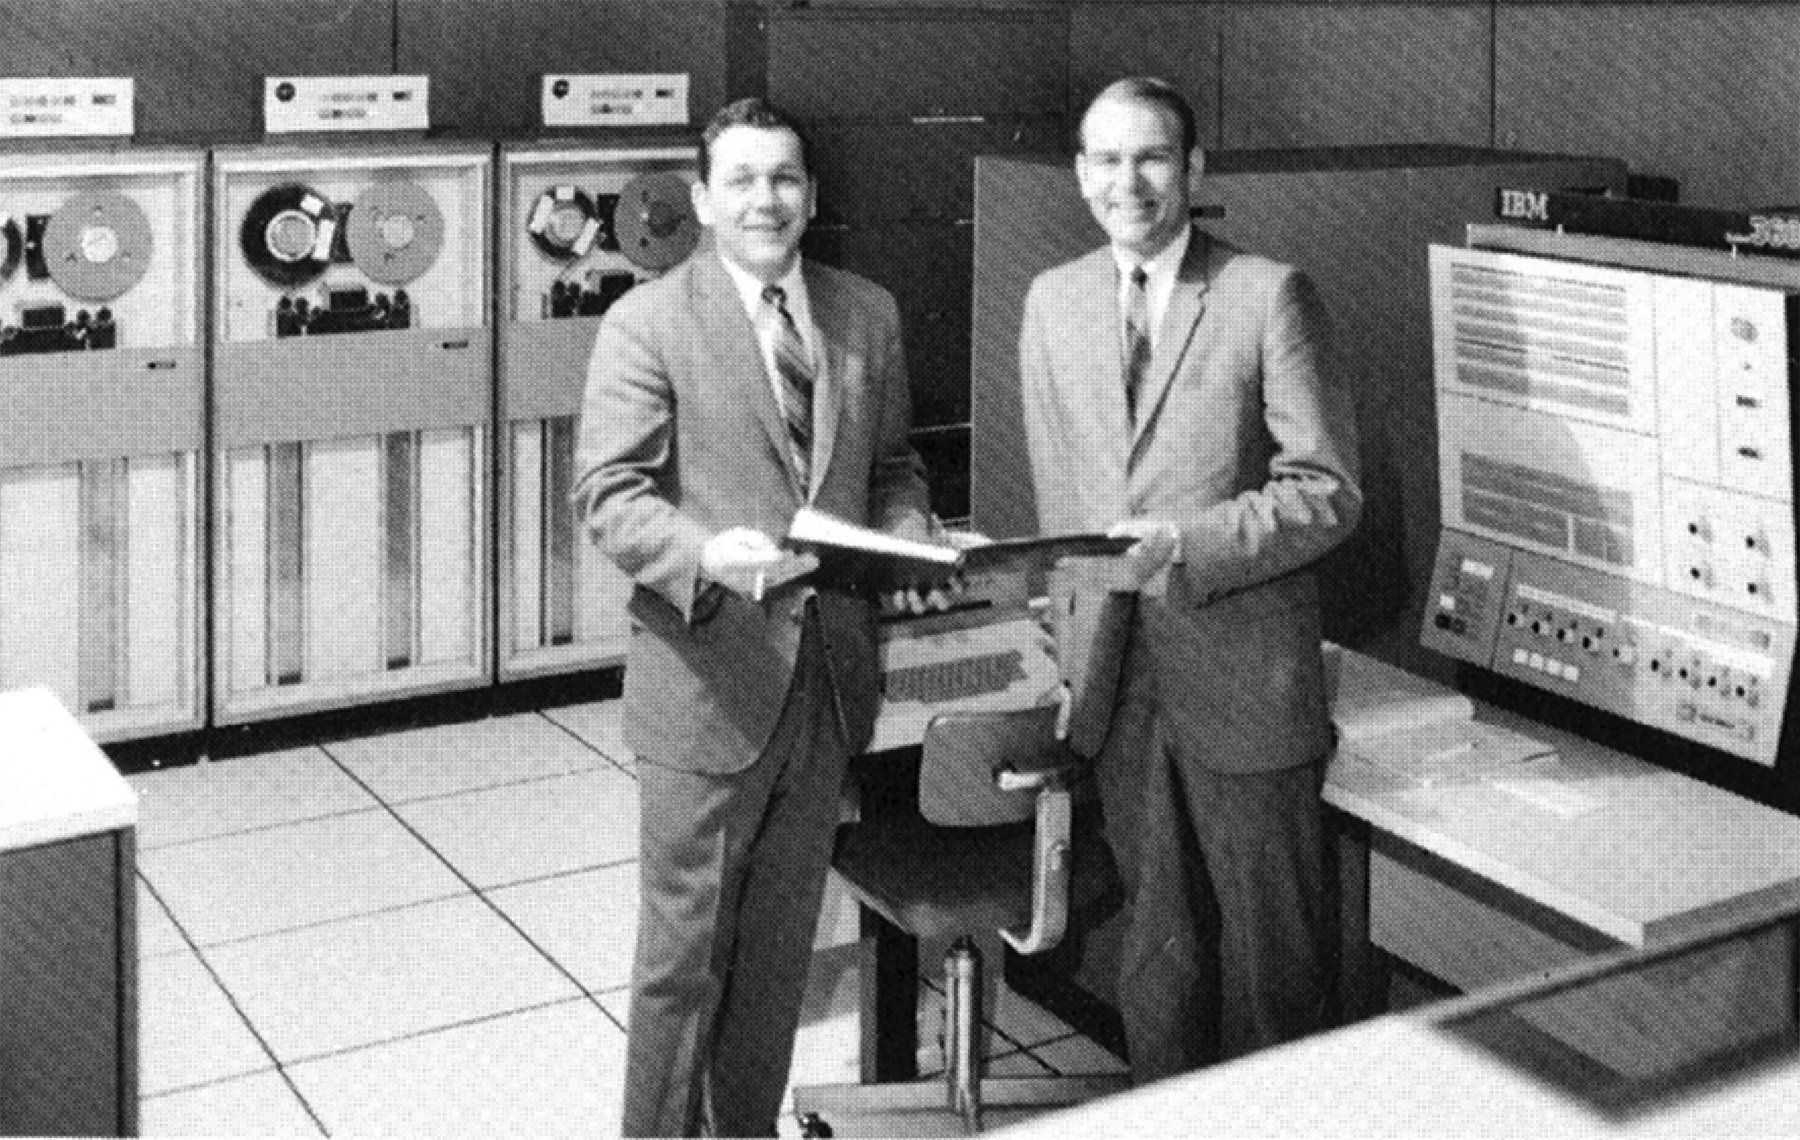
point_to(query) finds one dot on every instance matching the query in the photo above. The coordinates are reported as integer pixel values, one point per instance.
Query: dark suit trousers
(731, 874)
(1226, 915)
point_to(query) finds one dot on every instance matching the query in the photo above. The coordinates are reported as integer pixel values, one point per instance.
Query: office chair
(995, 844)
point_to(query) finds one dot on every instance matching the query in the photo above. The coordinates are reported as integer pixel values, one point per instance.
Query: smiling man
(1180, 391)
(721, 398)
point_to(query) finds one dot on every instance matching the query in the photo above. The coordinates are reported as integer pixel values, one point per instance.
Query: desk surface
(1397, 1076)
(1637, 852)
(55, 783)
(1018, 645)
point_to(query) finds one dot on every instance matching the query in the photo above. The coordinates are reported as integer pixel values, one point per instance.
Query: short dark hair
(1158, 93)
(753, 111)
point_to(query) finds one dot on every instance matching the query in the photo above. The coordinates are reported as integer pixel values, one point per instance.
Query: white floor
(429, 933)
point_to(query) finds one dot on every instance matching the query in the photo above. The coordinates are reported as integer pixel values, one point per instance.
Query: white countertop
(1402, 1076)
(55, 783)
(1636, 852)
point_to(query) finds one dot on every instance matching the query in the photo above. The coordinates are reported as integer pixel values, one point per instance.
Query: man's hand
(1144, 568)
(749, 562)
(924, 599)
(963, 539)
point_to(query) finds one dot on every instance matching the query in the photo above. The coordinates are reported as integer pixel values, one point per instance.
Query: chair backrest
(1092, 625)
(961, 753)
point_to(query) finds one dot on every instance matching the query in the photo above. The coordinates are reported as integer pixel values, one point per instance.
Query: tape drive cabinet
(100, 433)
(352, 380)
(580, 227)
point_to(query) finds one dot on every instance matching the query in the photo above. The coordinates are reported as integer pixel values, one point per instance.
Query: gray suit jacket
(681, 438)
(1246, 442)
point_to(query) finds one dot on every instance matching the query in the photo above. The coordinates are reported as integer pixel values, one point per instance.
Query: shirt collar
(750, 289)
(1164, 266)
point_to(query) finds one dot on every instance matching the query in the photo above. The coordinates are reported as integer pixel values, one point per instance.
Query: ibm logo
(1525, 205)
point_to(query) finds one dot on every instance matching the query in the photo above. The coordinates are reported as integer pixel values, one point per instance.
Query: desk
(1493, 877)
(1405, 1076)
(68, 931)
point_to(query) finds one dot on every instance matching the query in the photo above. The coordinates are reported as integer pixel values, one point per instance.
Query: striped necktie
(794, 374)
(1137, 340)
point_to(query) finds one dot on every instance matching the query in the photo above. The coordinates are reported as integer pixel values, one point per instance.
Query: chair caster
(812, 1124)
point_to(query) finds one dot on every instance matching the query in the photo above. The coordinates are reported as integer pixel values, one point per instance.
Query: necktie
(795, 376)
(1137, 340)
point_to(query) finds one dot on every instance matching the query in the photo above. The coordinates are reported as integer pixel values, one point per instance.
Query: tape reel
(655, 221)
(564, 223)
(12, 246)
(395, 232)
(287, 234)
(97, 245)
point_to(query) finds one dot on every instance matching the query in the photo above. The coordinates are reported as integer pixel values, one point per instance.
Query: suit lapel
(728, 329)
(832, 321)
(1101, 371)
(1180, 320)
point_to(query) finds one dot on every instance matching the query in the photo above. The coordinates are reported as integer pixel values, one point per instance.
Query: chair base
(922, 1108)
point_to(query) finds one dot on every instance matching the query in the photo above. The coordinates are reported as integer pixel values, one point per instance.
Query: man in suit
(1179, 391)
(720, 399)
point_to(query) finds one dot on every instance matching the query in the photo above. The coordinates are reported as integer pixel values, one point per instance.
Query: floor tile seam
(257, 829)
(432, 1031)
(552, 876)
(622, 991)
(521, 781)
(594, 998)
(588, 744)
(1056, 1069)
(470, 883)
(936, 1072)
(231, 999)
(606, 768)
(334, 920)
(275, 1069)
(221, 1079)
(986, 1017)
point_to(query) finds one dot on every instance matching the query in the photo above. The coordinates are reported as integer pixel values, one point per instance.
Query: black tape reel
(97, 245)
(655, 221)
(563, 223)
(12, 246)
(287, 234)
(395, 232)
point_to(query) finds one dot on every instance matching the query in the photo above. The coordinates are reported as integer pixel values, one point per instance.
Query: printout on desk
(1451, 749)
(1418, 729)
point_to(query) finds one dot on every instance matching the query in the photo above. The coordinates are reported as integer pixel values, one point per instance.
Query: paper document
(1539, 786)
(1386, 711)
(1449, 749)
(862, 558)
(1042, 553)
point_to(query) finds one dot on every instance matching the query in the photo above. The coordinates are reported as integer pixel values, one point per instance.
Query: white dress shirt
(793, 284)
(1160, 273)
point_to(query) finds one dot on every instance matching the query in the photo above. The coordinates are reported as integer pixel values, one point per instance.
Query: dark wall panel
(486, 57)
(1179, 42)
(899, 61)
(926, 266)
(198, 63)
(1704, 93)
(876, 172)
(1357, 74)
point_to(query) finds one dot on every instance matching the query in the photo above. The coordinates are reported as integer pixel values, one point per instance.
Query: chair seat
(933, 881)
(944, 881)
